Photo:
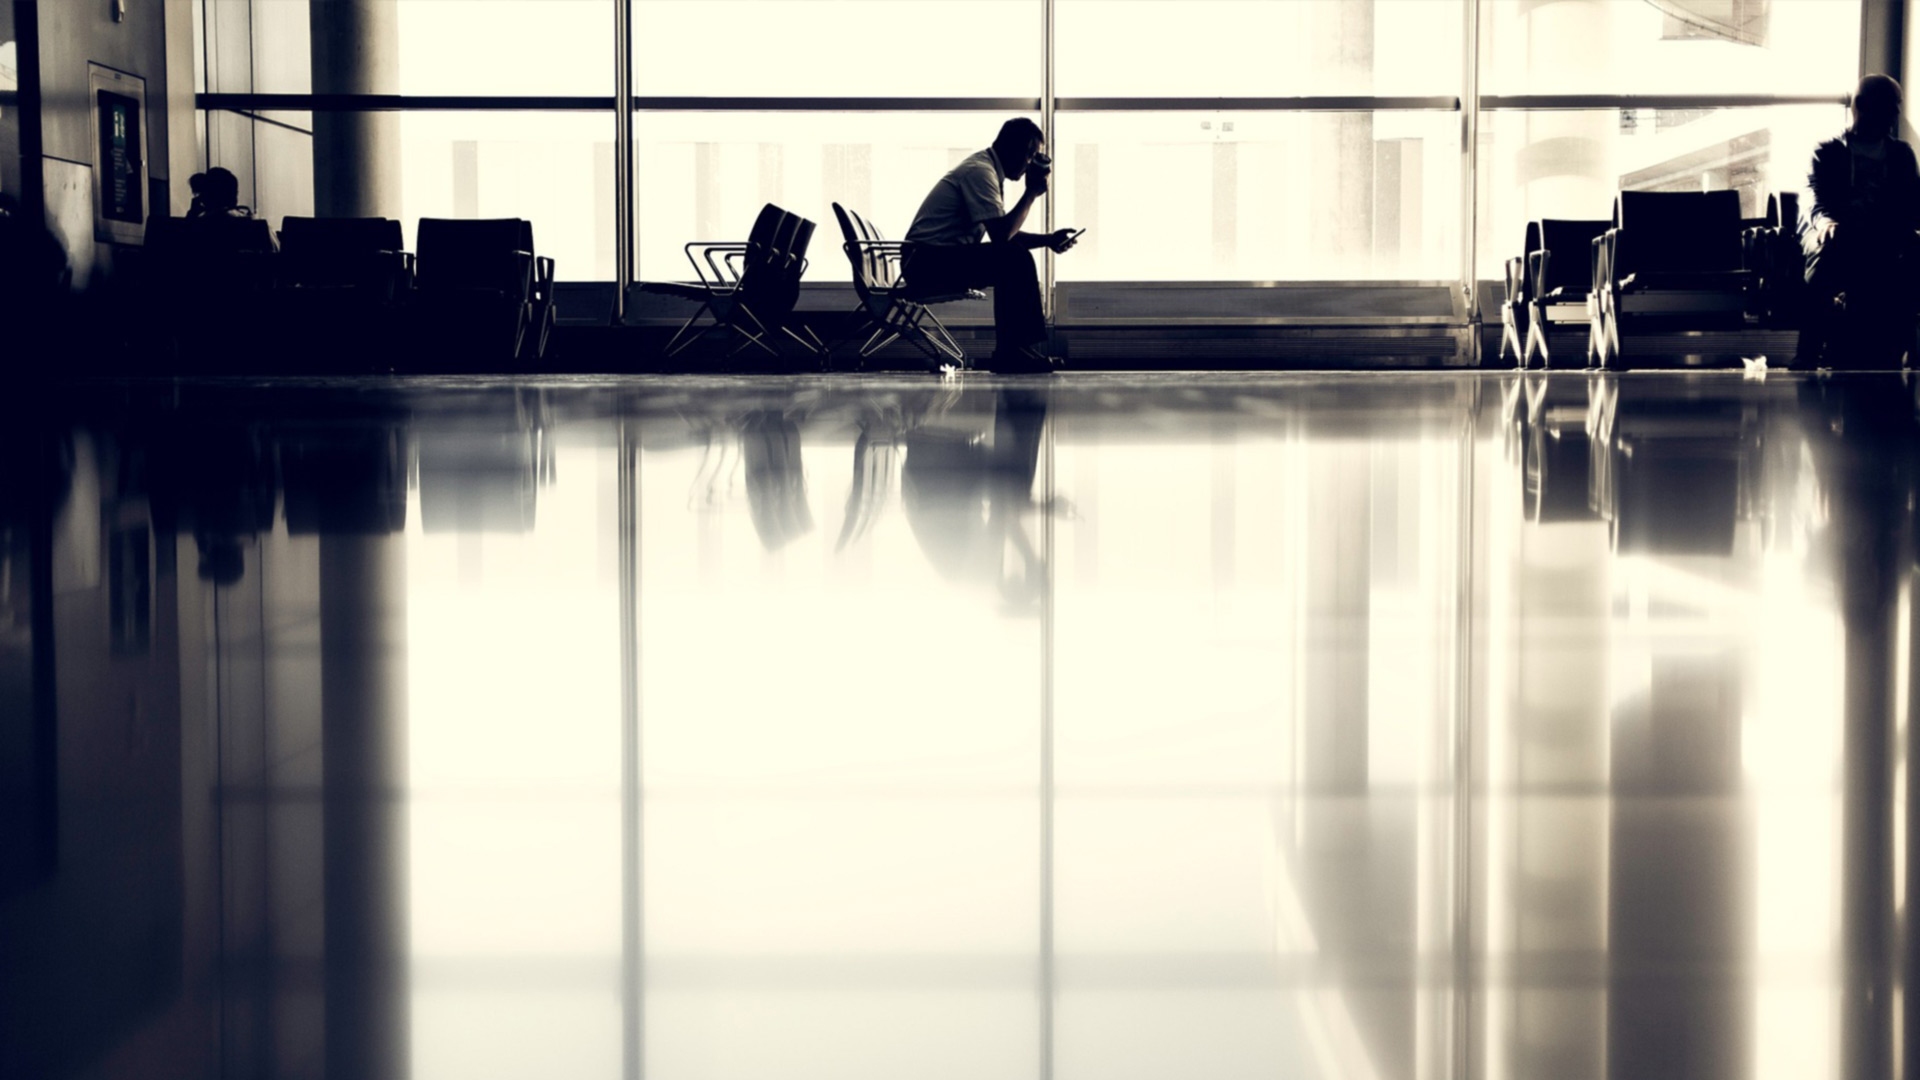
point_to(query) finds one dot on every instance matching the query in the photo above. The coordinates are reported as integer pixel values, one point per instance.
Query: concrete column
(1341, 229)
(363, 686)
(356, 155)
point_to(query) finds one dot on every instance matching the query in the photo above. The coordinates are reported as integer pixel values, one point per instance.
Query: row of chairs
(1664, 261)
(748, 289)
(475, 286)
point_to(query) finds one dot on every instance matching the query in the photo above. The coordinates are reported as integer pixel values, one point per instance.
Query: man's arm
(1005, 229)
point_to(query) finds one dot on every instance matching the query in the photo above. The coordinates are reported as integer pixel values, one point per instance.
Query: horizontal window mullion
(835, 104)
(402, 102)
(1307, 103)
(1653, 101)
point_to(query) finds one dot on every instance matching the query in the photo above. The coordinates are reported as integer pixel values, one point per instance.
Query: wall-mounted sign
(122, 197)
(119, 155)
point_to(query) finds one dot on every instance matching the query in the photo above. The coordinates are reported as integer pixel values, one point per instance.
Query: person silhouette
(944, 250)
(216, 193)
(1860, 238)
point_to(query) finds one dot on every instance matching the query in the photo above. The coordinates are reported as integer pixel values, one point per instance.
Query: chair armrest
(717, 274)
(1517, 279)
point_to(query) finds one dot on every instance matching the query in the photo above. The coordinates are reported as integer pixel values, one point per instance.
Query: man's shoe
(1025, 360)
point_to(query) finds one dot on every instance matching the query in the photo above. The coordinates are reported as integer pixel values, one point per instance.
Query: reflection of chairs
(888, 303)
(747, 287)
(776, 483)
(479, 286)
(1560, 277)
(1673, 474)
(1671, 259)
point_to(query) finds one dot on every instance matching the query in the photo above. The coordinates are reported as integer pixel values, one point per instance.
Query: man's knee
(1015, 264)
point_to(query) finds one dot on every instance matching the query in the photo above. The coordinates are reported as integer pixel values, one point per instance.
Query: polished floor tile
(1425, 726)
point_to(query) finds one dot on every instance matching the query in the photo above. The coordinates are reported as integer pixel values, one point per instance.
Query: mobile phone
(1075, 234)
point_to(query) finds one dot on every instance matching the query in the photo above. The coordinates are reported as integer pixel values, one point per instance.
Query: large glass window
(834, 48)
(1341, 160)
(1570, 163)
(506, 47)
(1259, 196)
(704, 175)
(1669, 46)
(1204, 48)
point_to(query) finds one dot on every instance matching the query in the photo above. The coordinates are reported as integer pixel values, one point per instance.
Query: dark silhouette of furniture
(749, 287)
(480, 290)
(889, 307)
(340, 283)
(1772, 253)
(1671, 261)
(363, 256)
(202, 283)
(1513, 311)
(1559, 284)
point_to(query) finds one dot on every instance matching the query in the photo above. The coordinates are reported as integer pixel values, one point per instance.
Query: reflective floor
(1426, 726)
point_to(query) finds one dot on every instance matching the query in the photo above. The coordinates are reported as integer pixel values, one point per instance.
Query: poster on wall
(122, 195)
(119, 155)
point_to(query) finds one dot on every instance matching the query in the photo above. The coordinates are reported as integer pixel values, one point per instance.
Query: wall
(70, 34)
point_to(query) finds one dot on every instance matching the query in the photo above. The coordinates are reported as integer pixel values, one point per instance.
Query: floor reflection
(1425, 726)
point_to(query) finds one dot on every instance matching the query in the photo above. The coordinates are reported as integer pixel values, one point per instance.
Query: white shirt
(955, 212)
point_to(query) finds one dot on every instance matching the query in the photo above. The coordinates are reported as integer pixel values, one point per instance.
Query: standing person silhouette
(1860, 240)
(944, 250)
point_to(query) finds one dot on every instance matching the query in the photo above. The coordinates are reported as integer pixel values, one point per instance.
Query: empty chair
(478, 291)
(888, 304)
(1672, 260)
(340, 280)
(1560, 279)
(747, 287)
(365, 255)
(1513, 312)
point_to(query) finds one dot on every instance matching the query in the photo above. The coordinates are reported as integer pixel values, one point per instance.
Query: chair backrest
(475, 253)
(1680, 231)
(873, 272)
(776, 257)
(336, 251)
(1567, 242)
(1783, 211)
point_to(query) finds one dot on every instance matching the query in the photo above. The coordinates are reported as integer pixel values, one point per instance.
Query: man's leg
(1007, 270)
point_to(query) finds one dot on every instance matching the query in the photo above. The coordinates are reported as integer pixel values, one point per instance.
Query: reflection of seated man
(944, 252)
(1860, 232)
(966, 500)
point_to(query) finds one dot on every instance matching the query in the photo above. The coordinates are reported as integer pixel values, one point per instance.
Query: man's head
(1019, 139)
(1876, 106)
(217, 188)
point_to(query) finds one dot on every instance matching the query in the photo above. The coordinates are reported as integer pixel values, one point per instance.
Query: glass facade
(1195, 140)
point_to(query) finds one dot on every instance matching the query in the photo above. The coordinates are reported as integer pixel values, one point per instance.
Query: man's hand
(1062, 239)
(1036, 181)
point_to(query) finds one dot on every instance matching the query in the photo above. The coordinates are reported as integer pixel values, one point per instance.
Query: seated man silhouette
(1860, 241)
(945, 251)
(216, 193)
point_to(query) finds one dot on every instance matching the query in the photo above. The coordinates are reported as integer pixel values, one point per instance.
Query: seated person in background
(1860, 242)
(944, 252)
(216, 193)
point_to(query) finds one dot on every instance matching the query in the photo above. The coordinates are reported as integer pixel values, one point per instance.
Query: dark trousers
(1007, 270)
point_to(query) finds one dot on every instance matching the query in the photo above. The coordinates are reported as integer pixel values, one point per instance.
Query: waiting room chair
(202, 281)
(1513, 312)
(889, 306)
(1671, 260)
(1559, 283)
(1771, 251)
(747, 287)
(478, 285)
